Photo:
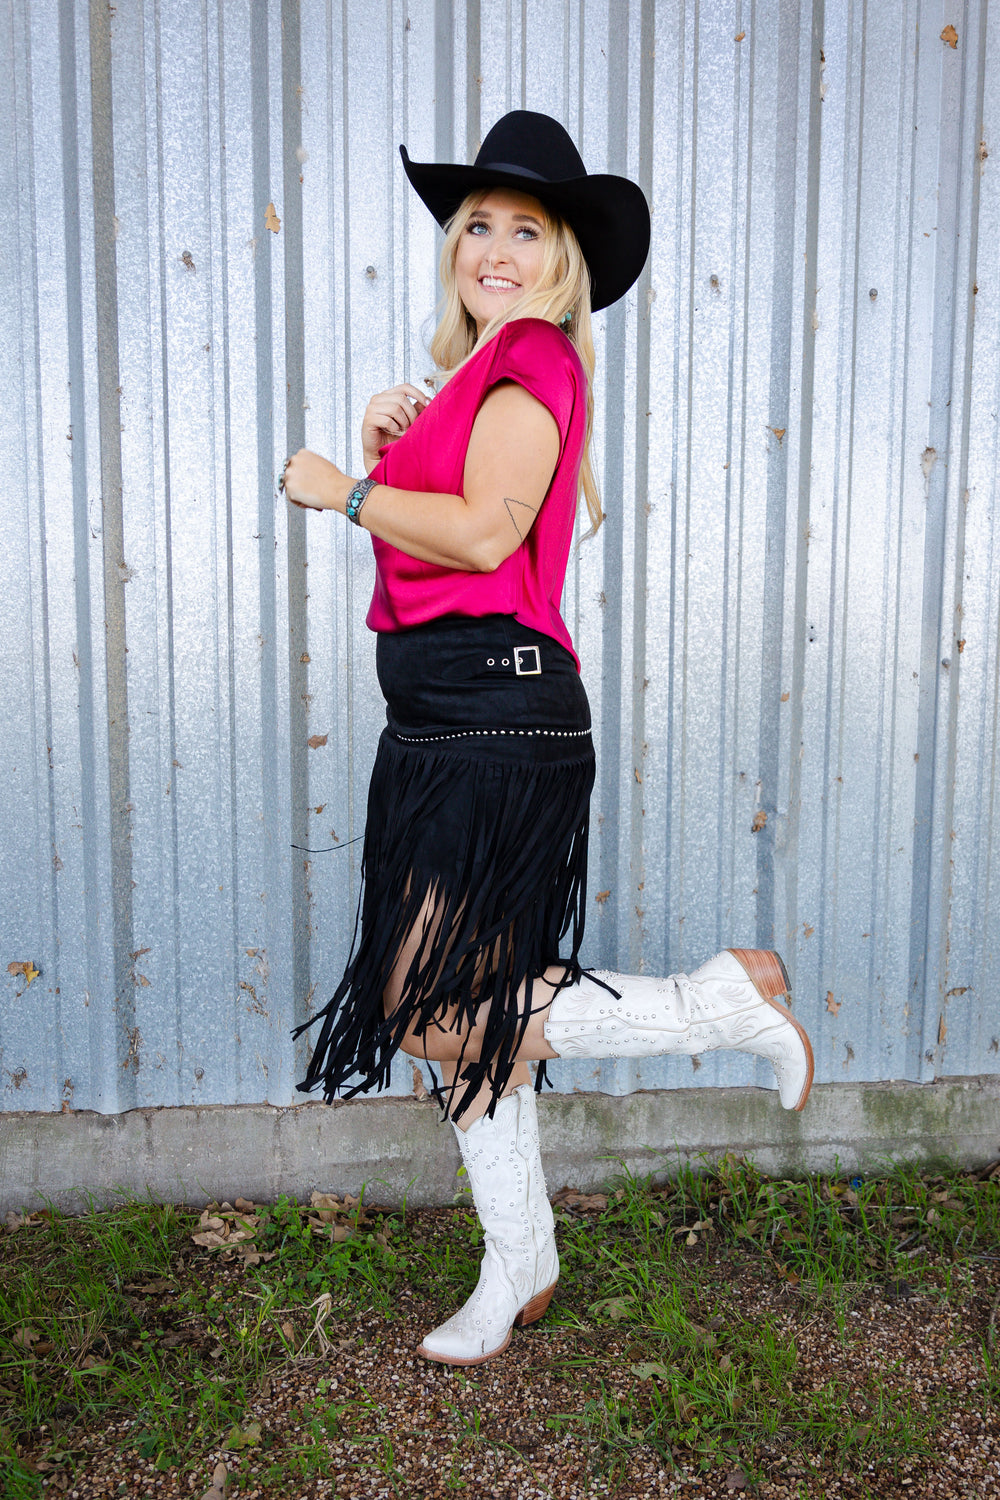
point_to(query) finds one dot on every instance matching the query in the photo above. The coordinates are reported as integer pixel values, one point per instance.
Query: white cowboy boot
(520, 1266)
(730, 1002)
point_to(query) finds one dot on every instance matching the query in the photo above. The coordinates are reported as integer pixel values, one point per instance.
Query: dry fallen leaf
(210, 1240)
(570, 1198)
(759, 819)
(327, 1203)
(602, 896)
(419, 1087)
(24, 967)
(242, 1437)
(832, 1005)
(316, 740)
(615, 1308)
(950, 35)
(25, 1336)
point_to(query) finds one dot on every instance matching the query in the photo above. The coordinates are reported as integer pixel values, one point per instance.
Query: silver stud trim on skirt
(463, 734)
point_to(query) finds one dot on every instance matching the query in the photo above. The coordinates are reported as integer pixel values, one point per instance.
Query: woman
(474, 862)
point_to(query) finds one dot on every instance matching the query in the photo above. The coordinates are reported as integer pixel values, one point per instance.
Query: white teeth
(496, 283)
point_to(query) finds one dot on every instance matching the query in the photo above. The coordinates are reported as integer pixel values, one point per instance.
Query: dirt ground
(365, 1418)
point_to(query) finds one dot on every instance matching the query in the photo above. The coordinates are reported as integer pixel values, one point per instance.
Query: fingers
(306, 480)
(413, 393)
(392, 411)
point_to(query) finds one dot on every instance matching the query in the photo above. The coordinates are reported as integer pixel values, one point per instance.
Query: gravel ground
(484, 1432)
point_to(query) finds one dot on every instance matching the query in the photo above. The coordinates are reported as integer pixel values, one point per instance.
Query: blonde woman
(475, 854)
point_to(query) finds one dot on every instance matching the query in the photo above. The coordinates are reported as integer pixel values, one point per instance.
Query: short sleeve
(538, 356)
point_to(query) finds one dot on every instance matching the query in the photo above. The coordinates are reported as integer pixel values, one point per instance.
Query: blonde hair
(563, 287)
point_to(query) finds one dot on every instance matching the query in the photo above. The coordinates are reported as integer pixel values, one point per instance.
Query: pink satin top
(430, 456)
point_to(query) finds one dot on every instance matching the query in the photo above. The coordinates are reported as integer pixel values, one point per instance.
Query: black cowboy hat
(533, 154)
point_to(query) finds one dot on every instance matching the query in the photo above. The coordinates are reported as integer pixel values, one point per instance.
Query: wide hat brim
(609, 215)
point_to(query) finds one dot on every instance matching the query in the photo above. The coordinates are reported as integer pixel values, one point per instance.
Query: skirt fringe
(473, 873)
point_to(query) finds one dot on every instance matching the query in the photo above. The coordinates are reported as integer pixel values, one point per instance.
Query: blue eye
(477, 224)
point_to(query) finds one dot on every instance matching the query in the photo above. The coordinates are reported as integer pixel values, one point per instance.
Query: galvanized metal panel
(797, 441)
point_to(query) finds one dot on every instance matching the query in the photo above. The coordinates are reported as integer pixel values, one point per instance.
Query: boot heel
(535, 1309)
(770, 978)
(766, 969)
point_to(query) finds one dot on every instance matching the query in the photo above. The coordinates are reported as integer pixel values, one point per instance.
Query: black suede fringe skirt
(475, 854)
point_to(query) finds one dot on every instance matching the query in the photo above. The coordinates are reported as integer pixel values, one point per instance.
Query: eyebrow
(485, 213)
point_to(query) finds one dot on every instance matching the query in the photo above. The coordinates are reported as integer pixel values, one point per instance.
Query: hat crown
(531, 144)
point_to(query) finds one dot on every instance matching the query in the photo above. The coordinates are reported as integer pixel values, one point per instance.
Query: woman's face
(499, 257)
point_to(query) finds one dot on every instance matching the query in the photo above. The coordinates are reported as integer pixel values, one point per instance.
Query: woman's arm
(509, 465)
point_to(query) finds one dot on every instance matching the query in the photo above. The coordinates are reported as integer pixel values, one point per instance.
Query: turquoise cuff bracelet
(357, 498)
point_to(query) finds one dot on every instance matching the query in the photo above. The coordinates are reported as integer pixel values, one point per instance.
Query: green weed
(116, 1315)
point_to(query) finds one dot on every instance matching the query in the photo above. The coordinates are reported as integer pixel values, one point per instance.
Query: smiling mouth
(499, 284)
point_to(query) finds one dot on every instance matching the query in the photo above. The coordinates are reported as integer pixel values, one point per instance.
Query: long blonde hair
(563, 287)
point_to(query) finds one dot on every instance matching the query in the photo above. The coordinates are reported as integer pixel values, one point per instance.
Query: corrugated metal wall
(789, 624)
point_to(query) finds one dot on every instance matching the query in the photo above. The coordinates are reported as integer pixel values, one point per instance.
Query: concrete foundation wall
(396, 1148)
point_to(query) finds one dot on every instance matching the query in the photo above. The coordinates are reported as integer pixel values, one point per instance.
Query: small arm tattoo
(524, 506)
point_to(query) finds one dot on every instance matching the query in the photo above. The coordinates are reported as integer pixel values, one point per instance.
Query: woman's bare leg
(481, 1103)
(440, 1043)
(448, 1047)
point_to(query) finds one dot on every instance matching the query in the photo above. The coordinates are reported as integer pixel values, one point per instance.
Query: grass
(119, 1323)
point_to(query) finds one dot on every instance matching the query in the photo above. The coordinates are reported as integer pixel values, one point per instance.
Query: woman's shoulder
(536, 339)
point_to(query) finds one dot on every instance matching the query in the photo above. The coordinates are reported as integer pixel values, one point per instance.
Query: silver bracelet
(357, 498)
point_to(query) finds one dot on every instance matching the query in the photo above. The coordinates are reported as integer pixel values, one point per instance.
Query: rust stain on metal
(134, 1044)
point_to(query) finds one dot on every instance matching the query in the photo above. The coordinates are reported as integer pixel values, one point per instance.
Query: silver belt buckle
(522, 671)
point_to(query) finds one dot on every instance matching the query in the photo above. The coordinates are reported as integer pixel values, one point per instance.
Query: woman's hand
(314, 482)
(387, 416)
